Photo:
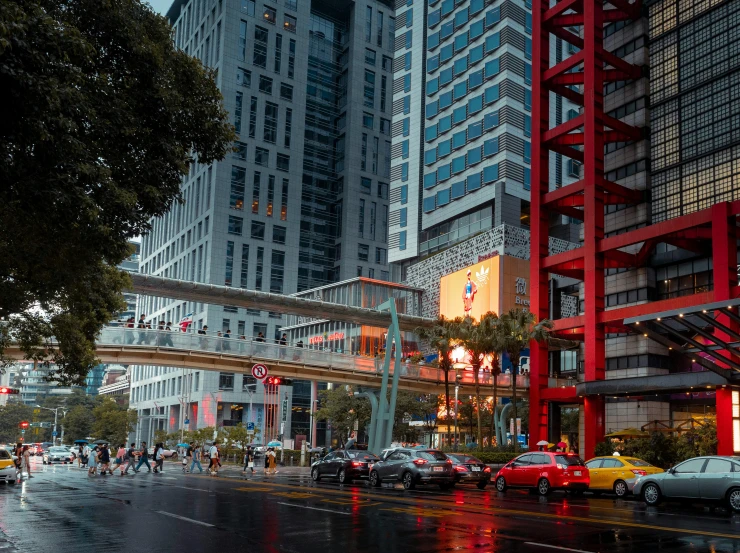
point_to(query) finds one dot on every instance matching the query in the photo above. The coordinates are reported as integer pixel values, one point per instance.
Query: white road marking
(173, 515)
(313, 508)
(555, 547)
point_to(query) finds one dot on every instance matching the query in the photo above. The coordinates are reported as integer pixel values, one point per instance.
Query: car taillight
(420, 462)
(639, 472)
(461, 468)
(487, 469)
(559, 466)
(356, 464)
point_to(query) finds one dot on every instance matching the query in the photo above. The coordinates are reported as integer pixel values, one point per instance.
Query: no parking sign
(259, 371)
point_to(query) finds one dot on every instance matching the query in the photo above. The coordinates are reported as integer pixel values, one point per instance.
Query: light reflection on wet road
(62, 509)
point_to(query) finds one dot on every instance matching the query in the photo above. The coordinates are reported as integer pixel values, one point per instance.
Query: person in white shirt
(213, 453)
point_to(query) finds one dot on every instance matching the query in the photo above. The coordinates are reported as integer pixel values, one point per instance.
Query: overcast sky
(160, 6)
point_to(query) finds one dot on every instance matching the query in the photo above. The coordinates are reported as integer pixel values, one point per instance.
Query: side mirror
(671, 471)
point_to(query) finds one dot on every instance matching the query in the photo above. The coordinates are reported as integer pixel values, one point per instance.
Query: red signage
(259, 371)
(329, 338)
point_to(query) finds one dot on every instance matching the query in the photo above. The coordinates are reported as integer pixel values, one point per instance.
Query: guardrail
(253, 349)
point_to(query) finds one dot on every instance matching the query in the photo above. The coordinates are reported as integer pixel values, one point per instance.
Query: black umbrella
(80, 441)
(100, 442)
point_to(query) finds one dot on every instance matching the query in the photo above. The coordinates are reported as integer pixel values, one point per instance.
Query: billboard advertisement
(496, 284)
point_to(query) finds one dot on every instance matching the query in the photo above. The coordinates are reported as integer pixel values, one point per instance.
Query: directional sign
(250, 426)
(54, 434)
(187, 421)
(259, 371)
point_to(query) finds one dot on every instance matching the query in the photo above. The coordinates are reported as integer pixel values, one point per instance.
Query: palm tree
(516, 330)
(478, 339)
(442, 337)
(495, 371)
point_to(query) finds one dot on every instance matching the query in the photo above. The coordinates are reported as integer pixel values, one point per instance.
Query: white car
(57, 454)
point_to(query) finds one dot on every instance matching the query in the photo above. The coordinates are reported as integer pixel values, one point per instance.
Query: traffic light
(278, 381)
(6, 390)
(23, 425)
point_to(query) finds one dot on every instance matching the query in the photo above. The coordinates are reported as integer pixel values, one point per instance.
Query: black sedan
(344, 465)
(468, 469)
(414, 466)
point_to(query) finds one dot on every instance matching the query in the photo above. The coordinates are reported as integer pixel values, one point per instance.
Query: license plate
(475, 469)
(577, 472)
(437, 469)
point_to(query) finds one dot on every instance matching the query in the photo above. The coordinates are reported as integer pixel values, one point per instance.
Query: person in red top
(468, 295)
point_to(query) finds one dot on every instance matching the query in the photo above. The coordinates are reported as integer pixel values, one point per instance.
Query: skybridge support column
(724, 259)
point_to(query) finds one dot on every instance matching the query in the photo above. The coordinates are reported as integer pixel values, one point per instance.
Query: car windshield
(362, 455)
(432, 455)
(640, 463)
(4, 454)
(58, 450)
(569, 460)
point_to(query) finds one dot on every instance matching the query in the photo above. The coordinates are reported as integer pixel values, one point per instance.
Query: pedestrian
(188, 457)
(80, 452)
(130, 459)
(283, 342)
(168, 335)
(248, 460)
(196, 458)
(227, 337)
(26, 461)
(142, 326)
(120, 458)
(219, 341)
(260, 338)
(85, 455)
(160, 333)
(204, 340)
(143, 458)
(158, 458)
(213, 454)
(271, 461)
(104, 460)
(92, 461)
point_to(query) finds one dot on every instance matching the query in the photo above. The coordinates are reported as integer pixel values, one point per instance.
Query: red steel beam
(560, 394)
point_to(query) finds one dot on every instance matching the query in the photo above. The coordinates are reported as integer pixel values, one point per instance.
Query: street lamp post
(56, 416)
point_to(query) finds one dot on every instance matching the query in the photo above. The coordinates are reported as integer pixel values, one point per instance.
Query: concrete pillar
(507, 209)
(725, 444)
(314, 397)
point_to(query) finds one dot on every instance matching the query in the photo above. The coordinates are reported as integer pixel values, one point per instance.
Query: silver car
(707, 479)
(57, 454)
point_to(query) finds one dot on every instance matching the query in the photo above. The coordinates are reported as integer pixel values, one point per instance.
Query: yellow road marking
(294, 495)
(421, 512)
(505, 511)
(352, 502)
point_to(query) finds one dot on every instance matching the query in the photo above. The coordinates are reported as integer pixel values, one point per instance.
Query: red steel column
(539, 235)
(724, 259)
(593, 224)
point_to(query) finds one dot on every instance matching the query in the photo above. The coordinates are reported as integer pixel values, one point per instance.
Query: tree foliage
(113, 422)
(10, 416)
(101, 118)
(78, 423)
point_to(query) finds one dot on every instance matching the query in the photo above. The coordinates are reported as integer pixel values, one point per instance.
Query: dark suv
(414, 466)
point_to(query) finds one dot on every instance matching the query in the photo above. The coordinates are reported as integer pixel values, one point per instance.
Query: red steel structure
(581, 78)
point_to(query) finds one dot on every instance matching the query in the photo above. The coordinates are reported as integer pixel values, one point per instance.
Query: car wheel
(501, 484)
(315, 474)
(408, 481)
(543, 487)
(343, 477)
(620, 488)
(374, 479)
(733, 500)
(482, 484)
(651, 494)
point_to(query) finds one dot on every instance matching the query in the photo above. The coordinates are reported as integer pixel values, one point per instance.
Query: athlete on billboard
(468, 295)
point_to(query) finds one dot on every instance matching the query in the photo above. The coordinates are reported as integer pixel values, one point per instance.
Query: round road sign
(259, 371)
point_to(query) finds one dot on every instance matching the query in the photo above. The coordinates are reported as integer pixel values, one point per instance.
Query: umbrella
(80, 441)
(100, 442)
(275, 444)
(542, 442)
(562, 444)
(628, 433)
(183, 445)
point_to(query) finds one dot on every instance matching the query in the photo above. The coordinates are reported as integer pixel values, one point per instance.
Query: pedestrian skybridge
(128, 346)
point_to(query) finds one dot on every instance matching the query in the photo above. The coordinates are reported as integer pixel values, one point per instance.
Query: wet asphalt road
(63, 510)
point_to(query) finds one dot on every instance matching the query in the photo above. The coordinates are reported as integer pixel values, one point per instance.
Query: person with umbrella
(187, 453)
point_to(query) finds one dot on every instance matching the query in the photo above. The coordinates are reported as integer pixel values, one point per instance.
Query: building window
(279, 234)
(369, 89)
(253, 117)
(245, 270)
(225, 381)
(238, 112)
(288, 127)
(269, 130)
(269, 16)
(366, 185)
(368, 24)
(402, 240)
(361, 219)
(248, 6)
(359, 270)
(290, 23)
(368, 121)
(260, 268)
(278, 52)
(383, 92)
(238, 181)
(256, 192)
(363, 153)
(363, 252)
(229, 263)
(283, 162)
(385, 126)
(243, 40)
(266, 85)
(387, 63)
(375, 151)
(380, 29)
(382, 190)
(286, 92)
(291, 59)
(241, 151)
(284, 201)
(277, 271)
(259, 56)
(373, 210)
(262, 157)
(235, 225)
(370, 56)
(243, 77)
(270, 194)
(258, 230)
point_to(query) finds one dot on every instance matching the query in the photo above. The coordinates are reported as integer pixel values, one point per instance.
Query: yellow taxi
(7, 467)
(617, 474)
